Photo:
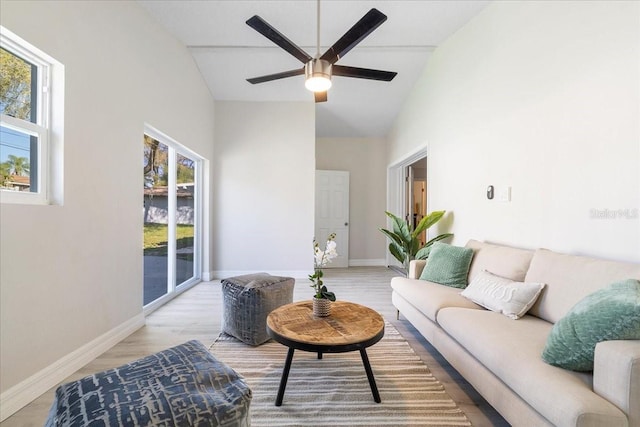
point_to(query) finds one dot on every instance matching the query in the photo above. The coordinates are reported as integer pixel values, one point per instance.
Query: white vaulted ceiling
(228, 52)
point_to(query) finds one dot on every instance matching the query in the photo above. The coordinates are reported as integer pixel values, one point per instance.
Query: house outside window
(31, 118)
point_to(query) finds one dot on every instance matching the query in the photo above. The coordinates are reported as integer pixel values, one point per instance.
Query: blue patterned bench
(181, 386)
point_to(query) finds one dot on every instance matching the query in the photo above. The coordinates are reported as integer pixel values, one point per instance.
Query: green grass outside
(155, 238)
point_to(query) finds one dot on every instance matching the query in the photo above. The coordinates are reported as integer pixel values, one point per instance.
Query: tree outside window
(18, 100)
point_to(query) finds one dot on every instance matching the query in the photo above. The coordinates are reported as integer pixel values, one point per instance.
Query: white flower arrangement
(320, 259)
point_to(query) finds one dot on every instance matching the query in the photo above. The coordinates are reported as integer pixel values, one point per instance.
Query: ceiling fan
(318, 70)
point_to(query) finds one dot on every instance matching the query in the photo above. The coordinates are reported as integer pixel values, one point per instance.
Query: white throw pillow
(502, 295)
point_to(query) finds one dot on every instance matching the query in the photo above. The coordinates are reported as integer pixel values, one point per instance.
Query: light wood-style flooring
(197, 313)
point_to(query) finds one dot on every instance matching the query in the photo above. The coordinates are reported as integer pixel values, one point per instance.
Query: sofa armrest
(616, 376)
(415, 268)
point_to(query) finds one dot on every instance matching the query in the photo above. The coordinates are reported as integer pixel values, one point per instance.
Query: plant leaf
(424, 252)
(413, 249)
(329, 295)
(427, 221)
(400, 227)
(397, 253)
(438, 238)
(394, 237)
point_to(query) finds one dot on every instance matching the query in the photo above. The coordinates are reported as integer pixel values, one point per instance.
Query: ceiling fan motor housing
(318, 75)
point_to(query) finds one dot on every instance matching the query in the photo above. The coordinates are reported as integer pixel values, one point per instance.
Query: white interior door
(332, 212)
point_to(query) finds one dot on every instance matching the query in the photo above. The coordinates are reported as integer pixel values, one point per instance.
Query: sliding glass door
(156, 219)
(171, 217)
(185, 221)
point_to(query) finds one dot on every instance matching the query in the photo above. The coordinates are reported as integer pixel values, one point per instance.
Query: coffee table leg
(285, 376)
(372, 380)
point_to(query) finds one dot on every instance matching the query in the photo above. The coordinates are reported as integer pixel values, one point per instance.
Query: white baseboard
(26, 391)
(296, 274)
(368, 262)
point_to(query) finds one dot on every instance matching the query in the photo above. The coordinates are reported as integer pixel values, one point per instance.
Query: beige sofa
(501, 357)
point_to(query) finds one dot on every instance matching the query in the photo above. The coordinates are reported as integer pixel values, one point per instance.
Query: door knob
(346, 223)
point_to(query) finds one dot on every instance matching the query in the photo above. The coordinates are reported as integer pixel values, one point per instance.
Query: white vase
(321, 307)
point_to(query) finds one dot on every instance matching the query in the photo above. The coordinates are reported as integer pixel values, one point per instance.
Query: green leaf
(427, 221)
(324, 293)
(394, 237)
(424, 252)
(400, 227)
(397, 253)
(415, 244)
(329, 295)
(438, 238)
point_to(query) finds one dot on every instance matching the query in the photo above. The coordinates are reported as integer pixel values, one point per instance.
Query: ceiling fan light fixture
(317, 75)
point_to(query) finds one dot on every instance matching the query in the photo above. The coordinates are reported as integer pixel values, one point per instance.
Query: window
(31, 86)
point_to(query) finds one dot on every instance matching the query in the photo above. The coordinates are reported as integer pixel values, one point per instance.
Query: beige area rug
(334, 391)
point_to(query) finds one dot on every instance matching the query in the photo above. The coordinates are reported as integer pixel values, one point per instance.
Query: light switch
(504, 194)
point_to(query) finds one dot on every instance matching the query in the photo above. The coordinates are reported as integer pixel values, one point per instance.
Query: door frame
(396, 194)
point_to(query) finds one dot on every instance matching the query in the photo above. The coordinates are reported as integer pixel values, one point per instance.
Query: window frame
(47, 127)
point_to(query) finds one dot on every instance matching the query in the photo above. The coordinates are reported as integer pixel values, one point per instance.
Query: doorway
(407, 191)
(416, 194)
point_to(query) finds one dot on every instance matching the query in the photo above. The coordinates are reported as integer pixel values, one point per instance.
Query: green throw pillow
(448, 265)
(612, 313)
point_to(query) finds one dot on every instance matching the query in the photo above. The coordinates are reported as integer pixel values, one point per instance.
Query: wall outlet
(504, 194)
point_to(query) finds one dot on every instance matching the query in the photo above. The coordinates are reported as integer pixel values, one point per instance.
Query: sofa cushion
(570, 278)
(448, 265)
(504, 261)
(429, 297)
(502, 295)
(511, 350)
(612, 313)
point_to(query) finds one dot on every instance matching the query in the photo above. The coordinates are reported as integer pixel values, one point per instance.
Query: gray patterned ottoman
(181, 386)
(248, 299)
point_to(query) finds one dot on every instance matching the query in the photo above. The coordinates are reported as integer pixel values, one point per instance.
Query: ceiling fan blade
(320, 96)
(261, 26)
(362, 73)
(276, 76)
(365, 26)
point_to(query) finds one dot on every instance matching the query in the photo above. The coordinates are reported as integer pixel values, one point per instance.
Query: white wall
(72, 273)
(365, 159)
(263, 197)
(543, 97)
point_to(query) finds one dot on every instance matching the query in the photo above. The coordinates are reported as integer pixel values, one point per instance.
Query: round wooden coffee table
(350, 327)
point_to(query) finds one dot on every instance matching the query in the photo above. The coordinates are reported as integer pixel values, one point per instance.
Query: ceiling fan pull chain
(318, 28)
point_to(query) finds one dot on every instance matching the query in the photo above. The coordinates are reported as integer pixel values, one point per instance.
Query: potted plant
(322, 298)
(405, 245)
